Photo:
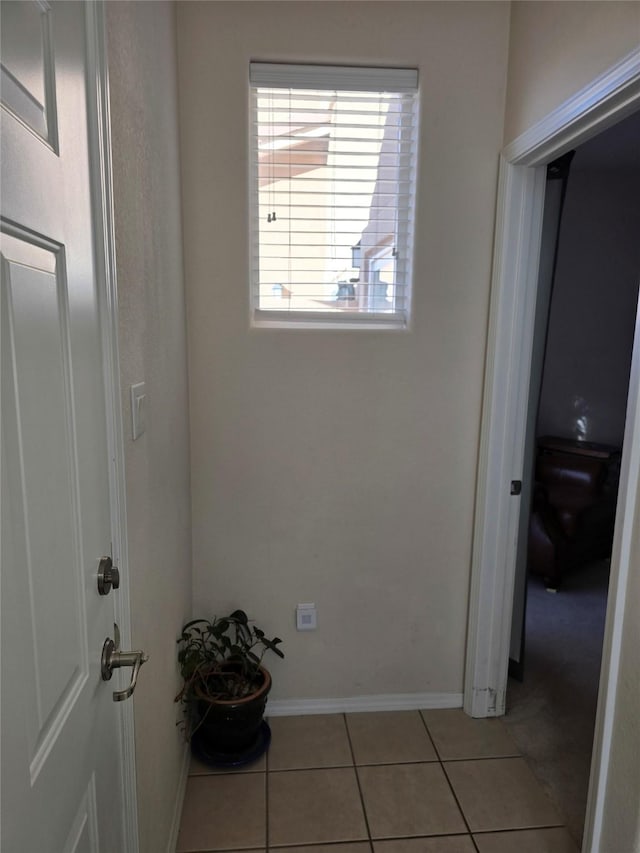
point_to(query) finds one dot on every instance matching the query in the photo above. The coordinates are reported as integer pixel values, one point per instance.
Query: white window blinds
(333, 189)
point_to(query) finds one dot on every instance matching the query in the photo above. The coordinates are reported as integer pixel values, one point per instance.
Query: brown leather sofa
(573, 507)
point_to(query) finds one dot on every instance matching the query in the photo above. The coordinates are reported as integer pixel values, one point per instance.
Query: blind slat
(334, 160)
(317, 96)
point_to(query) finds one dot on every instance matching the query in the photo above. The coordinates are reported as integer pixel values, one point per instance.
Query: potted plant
(225, 687)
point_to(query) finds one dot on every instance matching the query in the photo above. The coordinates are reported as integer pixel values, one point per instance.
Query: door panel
(44, 481)
(28, 79)
(60, 743)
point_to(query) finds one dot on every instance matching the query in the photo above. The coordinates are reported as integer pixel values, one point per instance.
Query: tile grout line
(473, 841)
(522, 829)
(433, 743)
(310, 844)
(481, 758)
(352, 764)
(459, 804)
(437, 751)
(355, 768)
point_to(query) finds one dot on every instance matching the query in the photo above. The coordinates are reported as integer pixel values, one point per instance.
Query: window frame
(403, 81)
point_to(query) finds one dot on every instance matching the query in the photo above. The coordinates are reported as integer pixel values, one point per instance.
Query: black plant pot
(231, 727)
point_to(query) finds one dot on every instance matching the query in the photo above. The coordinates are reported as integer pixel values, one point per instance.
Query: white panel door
(61, 773)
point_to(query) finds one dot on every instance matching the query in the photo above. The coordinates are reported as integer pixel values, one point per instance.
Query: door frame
(101, 176)
(521, 186)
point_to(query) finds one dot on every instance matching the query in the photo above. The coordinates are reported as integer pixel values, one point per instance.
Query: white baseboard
(177, 809)
(385, 702)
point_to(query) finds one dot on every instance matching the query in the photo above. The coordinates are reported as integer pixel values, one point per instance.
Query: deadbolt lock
(108, 576)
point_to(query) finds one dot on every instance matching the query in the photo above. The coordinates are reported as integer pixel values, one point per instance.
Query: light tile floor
(398, 782)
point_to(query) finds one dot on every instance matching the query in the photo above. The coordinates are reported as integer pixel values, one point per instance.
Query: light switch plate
(138, 410)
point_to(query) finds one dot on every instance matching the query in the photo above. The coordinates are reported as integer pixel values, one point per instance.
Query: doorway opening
(607, 100)
(583, 341)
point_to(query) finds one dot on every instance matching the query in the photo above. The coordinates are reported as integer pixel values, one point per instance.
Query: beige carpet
(551, 714)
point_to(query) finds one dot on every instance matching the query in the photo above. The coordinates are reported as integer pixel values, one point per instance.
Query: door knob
(113, 658)
(108, 576)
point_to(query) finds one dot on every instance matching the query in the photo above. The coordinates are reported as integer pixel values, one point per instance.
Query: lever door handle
(113, 658)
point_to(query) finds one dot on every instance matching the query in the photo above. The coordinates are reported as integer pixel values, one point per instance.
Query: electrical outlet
(306, 617)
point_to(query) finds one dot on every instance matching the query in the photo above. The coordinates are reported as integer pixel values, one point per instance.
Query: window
(333, 155)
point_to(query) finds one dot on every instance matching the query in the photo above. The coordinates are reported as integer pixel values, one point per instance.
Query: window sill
(328, 322)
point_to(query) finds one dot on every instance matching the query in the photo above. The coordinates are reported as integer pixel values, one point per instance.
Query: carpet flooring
(551, 713)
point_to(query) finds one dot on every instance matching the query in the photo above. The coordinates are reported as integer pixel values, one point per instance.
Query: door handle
(113, 658)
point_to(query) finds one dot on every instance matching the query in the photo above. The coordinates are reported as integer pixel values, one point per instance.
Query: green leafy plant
(220, 659)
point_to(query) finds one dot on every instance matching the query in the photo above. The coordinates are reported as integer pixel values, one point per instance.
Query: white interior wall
(152, 340)
(558, 48)
(592, 317)
(338, 467)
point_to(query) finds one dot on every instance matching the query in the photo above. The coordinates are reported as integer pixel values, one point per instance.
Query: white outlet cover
(306, 617)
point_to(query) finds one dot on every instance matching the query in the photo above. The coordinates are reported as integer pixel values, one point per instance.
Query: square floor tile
(314, 807)
(500, 793)
(199, 768)
(299, 743)
(439, 844)
(457, 735)
(409, 799)
(555, 840)
(350, 847)
(223, 812)
(389, 737)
